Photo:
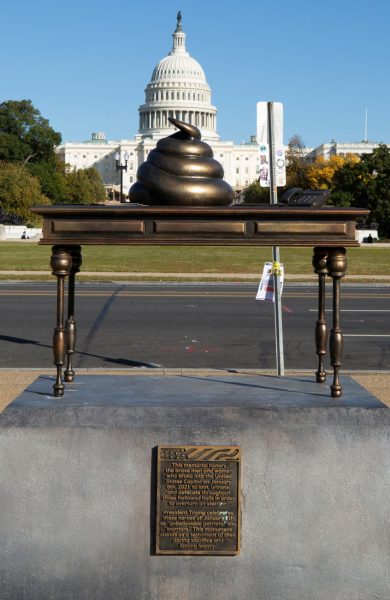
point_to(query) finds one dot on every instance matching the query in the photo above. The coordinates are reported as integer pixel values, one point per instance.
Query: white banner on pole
(263, 143)
(262, 123)
(266, 289)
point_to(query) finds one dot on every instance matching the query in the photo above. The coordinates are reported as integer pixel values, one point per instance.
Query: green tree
(97, 184)
(28, 140)
(366, 184)
(255, 194)
(19, 190)
(53, 179)
(85, 187)
(25, 136)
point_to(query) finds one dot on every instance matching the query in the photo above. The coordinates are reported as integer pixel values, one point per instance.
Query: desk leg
(337, 265)
(321, 331)
(61, 263)
(70, 325)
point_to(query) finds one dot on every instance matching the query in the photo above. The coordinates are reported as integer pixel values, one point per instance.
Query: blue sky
(85, 64)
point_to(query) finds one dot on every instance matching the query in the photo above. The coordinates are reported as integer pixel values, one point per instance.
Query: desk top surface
(256, 225)
(129, 209)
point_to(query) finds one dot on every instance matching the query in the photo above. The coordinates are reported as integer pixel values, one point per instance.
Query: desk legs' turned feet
(337, 265)
(70, 325)
(321, 331)
(61, 262)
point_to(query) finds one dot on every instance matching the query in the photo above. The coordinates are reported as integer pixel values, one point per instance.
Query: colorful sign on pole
(263, 144)
(266, 289)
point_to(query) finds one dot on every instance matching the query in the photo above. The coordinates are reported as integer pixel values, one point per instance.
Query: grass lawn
(19, 256)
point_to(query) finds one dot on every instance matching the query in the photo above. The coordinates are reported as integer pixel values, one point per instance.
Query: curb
(210, 276)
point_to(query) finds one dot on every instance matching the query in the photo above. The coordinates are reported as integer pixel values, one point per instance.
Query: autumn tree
(295, 173)
(320, 174)
(296, 170)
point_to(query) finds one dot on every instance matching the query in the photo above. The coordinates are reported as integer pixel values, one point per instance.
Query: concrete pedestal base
(77, 489)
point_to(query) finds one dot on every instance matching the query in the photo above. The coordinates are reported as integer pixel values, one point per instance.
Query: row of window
(159, 118)
(155, 96)
(101, 156)
(131, 178)
(131, 165)
(239, 182)
(183, 72)
(238, 158)
(107, 167)
(174, 84)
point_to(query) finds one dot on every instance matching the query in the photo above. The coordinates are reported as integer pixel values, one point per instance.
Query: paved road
(212, 326)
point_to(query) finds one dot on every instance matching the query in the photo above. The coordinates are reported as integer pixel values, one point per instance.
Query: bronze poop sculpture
(181, 171)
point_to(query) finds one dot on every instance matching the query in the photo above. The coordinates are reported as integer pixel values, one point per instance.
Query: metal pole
(275, 249)
(121, 192)
(366, 127)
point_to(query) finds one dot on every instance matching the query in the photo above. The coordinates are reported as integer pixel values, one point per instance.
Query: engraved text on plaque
(198, 500)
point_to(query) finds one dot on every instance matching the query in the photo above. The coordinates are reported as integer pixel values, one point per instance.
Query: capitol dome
(178, 88)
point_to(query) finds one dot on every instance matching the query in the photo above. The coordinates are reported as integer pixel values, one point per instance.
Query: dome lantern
(177, 89)
(179, 37)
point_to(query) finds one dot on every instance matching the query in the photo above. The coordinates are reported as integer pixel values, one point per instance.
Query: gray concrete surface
(77, 489)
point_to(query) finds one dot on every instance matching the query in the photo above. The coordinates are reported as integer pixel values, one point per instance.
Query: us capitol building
(178, 88)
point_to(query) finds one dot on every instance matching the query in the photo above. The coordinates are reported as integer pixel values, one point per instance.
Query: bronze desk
(328, 230)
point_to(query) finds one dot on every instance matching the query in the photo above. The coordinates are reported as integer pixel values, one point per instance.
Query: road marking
(170, 294)
(379, 310)
(366, 335)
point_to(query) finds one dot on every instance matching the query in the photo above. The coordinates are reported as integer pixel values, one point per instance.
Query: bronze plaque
(198, 500)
